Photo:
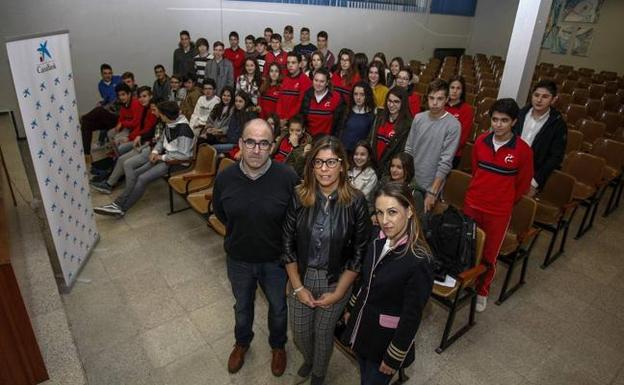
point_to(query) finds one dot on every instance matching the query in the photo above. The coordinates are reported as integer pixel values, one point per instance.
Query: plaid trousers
(313, 329)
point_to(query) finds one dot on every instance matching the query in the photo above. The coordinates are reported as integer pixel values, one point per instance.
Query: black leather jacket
(350, 232)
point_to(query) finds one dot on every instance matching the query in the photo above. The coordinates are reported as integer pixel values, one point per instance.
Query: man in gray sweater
(219, 68)
(432, 142)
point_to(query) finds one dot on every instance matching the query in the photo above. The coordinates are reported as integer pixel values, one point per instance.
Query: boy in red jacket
(235, 54)
(129, 116)
(276, 55)
(502, 168)
(294, 85)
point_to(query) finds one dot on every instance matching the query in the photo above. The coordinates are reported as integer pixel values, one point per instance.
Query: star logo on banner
(70, 76)
(48, 116)
(34, 124)
(43, 50)
(57, 81)
(42, 86)
(38, 105)
(40, 154)
(61, 109)
(26, 93)
(52, 98)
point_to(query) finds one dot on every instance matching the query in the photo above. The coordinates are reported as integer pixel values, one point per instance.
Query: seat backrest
(563, 100)
(568, 86)
(465, 163)
(594, 108)
(586, 71)
(575, 141)
(559, 189)
(575, 112)
(488, 83)
(484, 104)
(225, 163)
(611, 120)
(608, 75)
(611, 150)
(455, 188)
(523, 215)
(580, 95)
(611, 102)
(596, 91)
(611, 87)
(488, 92)
(584, 167)
(479, 246)
(591, 129)
(206, 161)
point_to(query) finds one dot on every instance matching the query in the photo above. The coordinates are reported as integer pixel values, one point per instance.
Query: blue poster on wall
(416, 6)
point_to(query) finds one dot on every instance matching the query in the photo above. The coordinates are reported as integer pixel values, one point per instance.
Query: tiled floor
(157, 309)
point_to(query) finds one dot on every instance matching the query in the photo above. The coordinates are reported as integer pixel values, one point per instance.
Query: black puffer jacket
(350, 232)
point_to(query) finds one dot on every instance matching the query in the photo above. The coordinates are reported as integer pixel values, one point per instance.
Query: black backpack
(452, 238)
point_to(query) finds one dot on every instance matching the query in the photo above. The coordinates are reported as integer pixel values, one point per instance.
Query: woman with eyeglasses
(326, 234)
(404, 81)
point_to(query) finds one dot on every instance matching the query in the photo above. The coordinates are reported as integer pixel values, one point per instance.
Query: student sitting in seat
(129, 117)
(502, 169)
(362, 174)
(173, 151)
(219, 118)
(249, 81)
(193, 93)
(204, 106)
(177, 92)
(244, 111)
(291, 148)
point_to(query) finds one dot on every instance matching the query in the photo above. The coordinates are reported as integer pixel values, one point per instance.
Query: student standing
(325, 235)
(261, 53)
(161, 87)
(346, 75)
(219, 68)
(183, 63)
(359, 120)
(277, 54)
(250, 47)
(329, 58)
(288, 44)
(377, 81)
(462, 111)
(235, 54)
(269, 92)
(200, 60)
(404, 80)
(291, 92)
(193, 93)
(395, 66)
(291, 147)
(502, 169)
(251, 200)
(397, 280)
(305, 46)
(204, 106)
(362, 174)
(432, 141)
(322, 109)
(316, 63)
(249, 81)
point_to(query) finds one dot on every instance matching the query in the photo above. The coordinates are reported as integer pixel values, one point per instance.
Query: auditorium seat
(611, 102)
(591, 130)
(574, 113)
(580, 95)
(575, 141)
(594, 108)
(596, 91)
(612, 121)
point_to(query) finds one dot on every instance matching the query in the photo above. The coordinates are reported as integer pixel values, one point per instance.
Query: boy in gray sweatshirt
(432, 142)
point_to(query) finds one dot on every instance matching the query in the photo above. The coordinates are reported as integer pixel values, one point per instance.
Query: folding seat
(574, 113)
(487, 92)
(586, 71)
(563, 100)
(554, 206)
(594, 108)
(517, 245)
(596, 91)
(612, 121)
(580, 95)
(588, 171)
(568, 86)
(483, 105)
(611, 102)
(591, 130)
(575, 141)
(488, 83)
(609, 75)
(613, 152)
(200, 200)
(456, 186)
(611, 87)
(199, 176)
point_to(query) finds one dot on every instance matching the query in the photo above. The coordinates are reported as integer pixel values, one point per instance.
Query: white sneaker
(111, 209)
(481, 303)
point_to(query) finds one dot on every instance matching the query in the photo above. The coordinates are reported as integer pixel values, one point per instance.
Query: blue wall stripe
(414, 6)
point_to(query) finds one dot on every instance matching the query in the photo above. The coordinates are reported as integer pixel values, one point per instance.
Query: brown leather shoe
(237, 358)
(278, 363)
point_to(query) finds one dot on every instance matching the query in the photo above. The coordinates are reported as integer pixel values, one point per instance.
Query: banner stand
(65, 271)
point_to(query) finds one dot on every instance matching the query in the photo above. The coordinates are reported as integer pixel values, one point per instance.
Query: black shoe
(303, 373)
(102, 187)
(317, 380)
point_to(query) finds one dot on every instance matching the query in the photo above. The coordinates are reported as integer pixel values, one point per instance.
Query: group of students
(365, 151)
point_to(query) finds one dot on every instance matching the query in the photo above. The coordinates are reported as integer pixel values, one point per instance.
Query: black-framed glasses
(330, 163)
(262, 145)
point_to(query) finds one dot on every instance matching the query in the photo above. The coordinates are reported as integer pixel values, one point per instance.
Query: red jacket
(344, 88)
(280, 59)
(147, 123)
(414, 102)
(130, 115)
(322, 118)
(285, 148)
(501, 178)
(291, 95)
(268, 101)
(238, 60)
(465, 114)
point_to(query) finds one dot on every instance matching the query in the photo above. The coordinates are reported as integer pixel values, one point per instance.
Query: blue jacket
(107, 92)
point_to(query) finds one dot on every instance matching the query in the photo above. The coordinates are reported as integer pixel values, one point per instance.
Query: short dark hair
(295, 55)
(210, 81)
(157, 66)
(323, 71)
(233, 34)
(250, 37)
(177, 76)
(169, 108)
(190, 76)
(127, 75)
(261, 40)
(322, 34)
(185, 32)
(122, 87)
(297, 119)
(506, 106)
(105, 67)
(202, 41)
(276, 36)
(407, 161)
(217, 44)
(549, 85)
(289, 28)
(268, 29)
(144, 89)
(305, 29)
(436, 85)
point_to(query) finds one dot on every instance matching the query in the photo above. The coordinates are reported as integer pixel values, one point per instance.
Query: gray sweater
(222, 72)
(432, 143)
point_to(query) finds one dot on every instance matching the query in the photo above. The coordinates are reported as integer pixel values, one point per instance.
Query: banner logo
(45, 65)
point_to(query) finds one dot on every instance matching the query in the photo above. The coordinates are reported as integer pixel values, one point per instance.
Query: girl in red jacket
(346, 75)
(461, 110)
(269, 91)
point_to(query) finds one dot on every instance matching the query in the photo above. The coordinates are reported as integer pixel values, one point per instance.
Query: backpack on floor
(452, 238)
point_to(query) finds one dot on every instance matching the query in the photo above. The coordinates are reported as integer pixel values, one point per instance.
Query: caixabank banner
(42, 75)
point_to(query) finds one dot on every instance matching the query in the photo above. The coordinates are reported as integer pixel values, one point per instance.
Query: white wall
(493, 23)
(136, 35)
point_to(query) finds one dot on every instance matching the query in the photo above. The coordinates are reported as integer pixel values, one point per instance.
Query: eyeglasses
(394, 101)
(330, 163)
(262, 145)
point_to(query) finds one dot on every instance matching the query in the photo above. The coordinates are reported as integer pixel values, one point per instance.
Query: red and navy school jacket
(237, 57)
(322, 118)
(414, 101)
(280, 59)
(291, 95)
(342, 87)
(268, 101)
(499, 178)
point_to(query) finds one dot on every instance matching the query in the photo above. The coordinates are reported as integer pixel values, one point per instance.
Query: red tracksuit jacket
(280, 59)
(414, 101)
(238, 60)
(501, 178)
(268, 101)
(465, 114)
(291, 95)
(146, 123)
(130, 115)
(321, 118)
(340, 85)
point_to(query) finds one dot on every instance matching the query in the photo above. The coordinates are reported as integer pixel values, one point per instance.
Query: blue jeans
(245, 278)
(370, 374)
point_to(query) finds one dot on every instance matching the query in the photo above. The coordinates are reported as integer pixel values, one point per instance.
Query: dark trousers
(370, 374)
(97, 119)
(245, 278)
